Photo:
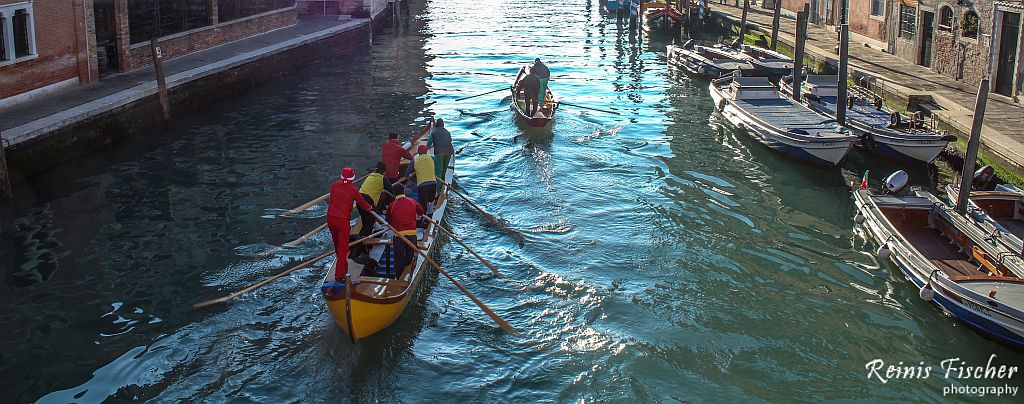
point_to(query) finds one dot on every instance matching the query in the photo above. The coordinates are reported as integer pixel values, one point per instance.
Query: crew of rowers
(533, 87)
(383, 190)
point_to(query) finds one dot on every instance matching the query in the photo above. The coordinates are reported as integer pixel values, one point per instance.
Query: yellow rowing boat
(379, 295)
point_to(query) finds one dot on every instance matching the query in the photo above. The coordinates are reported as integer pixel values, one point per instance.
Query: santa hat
(422, 149)
(348, 173)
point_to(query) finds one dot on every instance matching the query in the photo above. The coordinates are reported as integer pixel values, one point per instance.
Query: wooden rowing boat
(544, 114)
(379, 296)
(958, 266)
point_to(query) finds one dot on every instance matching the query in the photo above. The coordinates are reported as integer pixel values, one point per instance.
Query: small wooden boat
(955, 264)
(879, 131)
(771, 63)
(706, 62)
(999, 212)
(544, 114)
(379, 295)
(755, 105)
(659, 16)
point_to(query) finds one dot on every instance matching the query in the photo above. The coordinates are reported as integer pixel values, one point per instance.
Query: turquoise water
(666, 258)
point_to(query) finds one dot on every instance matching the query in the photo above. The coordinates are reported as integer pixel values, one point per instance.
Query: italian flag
(864, 181)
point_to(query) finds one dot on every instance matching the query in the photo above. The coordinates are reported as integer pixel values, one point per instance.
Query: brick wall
(138, 55)
(958, 57)
(59, 45)
(863, 23)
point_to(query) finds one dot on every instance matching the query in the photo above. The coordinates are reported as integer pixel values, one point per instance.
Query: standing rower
(529, 88)
(392, 154)
(402, 215)
(541, 71)
(426, 187)
(441, 140)
(339, 212)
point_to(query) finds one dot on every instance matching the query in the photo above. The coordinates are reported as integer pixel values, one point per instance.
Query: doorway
(927, 34)
(1008, 36)
(106, 36)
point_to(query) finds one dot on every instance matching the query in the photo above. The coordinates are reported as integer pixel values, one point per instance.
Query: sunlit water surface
(666, 257)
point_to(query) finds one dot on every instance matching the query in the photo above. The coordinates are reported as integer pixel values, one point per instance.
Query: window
(946, 19)
(969, 25)
(234, 9)
(17, 31)
(157, 18)
(877, 8)
(908, 21)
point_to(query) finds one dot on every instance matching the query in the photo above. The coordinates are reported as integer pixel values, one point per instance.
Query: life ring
(894, 119)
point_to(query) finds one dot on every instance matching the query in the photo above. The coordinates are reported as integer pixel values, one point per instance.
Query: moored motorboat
(706, 62)
(755, 105)
(659, 16)
(879, 131)
(999, 212)
(955, 264)
(773, 64)
(545, 113)
(381, 292)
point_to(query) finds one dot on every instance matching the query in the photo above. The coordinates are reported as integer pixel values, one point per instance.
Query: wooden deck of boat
(941, 251)
(786, 114)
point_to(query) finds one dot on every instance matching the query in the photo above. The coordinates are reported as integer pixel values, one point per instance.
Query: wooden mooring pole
(844, 59)
(967, 174)
(5, 176)
(798, 57)
(775, 23)
(161, 82)
(743, 22)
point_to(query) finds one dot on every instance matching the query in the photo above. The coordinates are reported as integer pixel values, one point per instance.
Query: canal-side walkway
(1003, 131)
(27, 121)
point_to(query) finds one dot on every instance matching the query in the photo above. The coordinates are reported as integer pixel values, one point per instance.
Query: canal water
(665, 258)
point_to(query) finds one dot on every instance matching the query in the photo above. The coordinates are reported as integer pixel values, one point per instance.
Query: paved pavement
(1003, 131)
(25, 121)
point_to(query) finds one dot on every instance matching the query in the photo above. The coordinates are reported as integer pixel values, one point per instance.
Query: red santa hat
(348, 173)
(422, 149)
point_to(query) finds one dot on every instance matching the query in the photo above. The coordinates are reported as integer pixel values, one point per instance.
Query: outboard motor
(982, 179)
(895, 182)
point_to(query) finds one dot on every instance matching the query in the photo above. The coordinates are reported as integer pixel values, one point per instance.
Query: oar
(494, 316)
(452, 235)
(480, 95)
(319, 199)
(271, 279)
(595, 109)
(295, 242)
(485, 214)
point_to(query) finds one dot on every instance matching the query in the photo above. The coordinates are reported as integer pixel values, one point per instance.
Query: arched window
(946, 18)
(969, 25)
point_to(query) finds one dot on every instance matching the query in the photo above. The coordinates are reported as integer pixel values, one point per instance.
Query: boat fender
(894, 119)
(858, 218)
(927, 293)
(883, 252)
(721, 104)
(878, 103)
(849, 102)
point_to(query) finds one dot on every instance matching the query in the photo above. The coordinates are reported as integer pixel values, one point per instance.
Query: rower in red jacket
(339, 211)
(392, 153)
(402, 215)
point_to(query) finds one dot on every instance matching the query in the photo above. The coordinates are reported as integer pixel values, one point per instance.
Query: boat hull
(821, 155)
(985, 315)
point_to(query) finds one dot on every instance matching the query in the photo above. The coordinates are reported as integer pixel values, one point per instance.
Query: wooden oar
(480, 95)
(485, 214)
(595, 109)
(494, 316)
(454, 237)
(295, 242)
(272, 278)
